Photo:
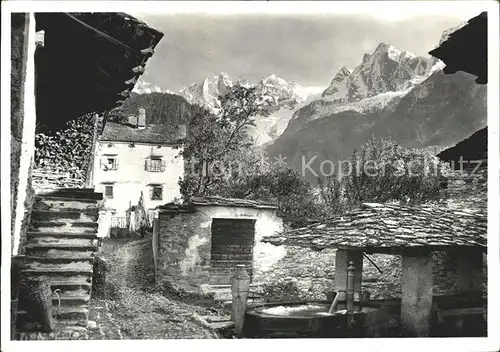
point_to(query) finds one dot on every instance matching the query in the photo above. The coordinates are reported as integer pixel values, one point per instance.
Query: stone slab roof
(155, 134)
(391, 228)
(214, 201)
(231, 202)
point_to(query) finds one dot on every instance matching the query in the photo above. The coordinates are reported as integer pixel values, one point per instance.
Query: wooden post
(155, 244)
(240, 286)
(416, 299)
(350, 294)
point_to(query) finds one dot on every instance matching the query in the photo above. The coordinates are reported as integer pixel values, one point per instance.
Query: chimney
(141, 121)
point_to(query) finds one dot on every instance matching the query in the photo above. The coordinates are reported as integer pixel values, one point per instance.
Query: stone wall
(466, 184)
(185, 243)
(22, 122)
(18, 65)
(313, 273)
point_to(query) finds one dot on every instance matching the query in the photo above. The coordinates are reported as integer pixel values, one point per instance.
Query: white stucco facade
(129, 178)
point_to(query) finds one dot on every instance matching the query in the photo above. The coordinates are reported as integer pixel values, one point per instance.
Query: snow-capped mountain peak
(387, 69)
(397, 55)
(275, 80)
(143, 87)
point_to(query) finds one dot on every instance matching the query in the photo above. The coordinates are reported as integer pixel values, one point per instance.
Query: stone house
(64, 66)
(200, 243)
(134, 159)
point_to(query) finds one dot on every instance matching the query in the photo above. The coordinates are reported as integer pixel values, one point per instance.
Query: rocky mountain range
(289, 95)
(391, 93)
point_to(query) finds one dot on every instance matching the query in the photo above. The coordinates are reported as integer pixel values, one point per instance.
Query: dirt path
(139, 311)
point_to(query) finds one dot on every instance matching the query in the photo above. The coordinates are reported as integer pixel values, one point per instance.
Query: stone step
(55, 241)
(62, 280)
(68, 272)
(74, 314)
(71, 193)
(66, 246)
(61, 226)
(72, 290)
(35, 259)
(44, 204)
(76, 266)
(69, 235)
(70, 300)
(59, 253)
(70, 285)
(61, 332)
(63, 215)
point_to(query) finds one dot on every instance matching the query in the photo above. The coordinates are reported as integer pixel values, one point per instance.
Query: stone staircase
(61, 243)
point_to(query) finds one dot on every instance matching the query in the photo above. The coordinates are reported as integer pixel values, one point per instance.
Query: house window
(109, 163)
(155, 164)
(108, 191)
(157, 193)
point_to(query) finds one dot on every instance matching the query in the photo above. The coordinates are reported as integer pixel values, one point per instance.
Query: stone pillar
(470, 271)
(240, 286)
(342, 260)
(416, 298)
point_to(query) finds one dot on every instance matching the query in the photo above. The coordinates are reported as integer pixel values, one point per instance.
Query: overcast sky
(307, 49)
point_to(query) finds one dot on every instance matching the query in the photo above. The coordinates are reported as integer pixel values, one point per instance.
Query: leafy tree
(216, 141)
(384, 171)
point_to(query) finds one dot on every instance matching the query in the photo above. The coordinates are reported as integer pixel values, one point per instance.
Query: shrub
(101, 287)
(382, 171)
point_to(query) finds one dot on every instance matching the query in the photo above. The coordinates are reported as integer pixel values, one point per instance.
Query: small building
(201, 242)
(414, 233)
(135, 159)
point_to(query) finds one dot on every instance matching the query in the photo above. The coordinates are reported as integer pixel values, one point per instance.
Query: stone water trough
(310, 319)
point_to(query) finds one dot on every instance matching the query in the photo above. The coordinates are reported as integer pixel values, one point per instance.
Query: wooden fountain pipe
(334, 302)
(350, 294)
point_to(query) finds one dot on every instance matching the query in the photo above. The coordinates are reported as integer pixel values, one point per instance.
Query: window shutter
(163, 165)
(146, 164)
(116, 163)
(151, 192)
(101, 163)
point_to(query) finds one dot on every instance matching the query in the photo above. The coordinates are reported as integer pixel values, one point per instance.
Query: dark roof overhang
(90, 63)
(473, 148)
(467, 49)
